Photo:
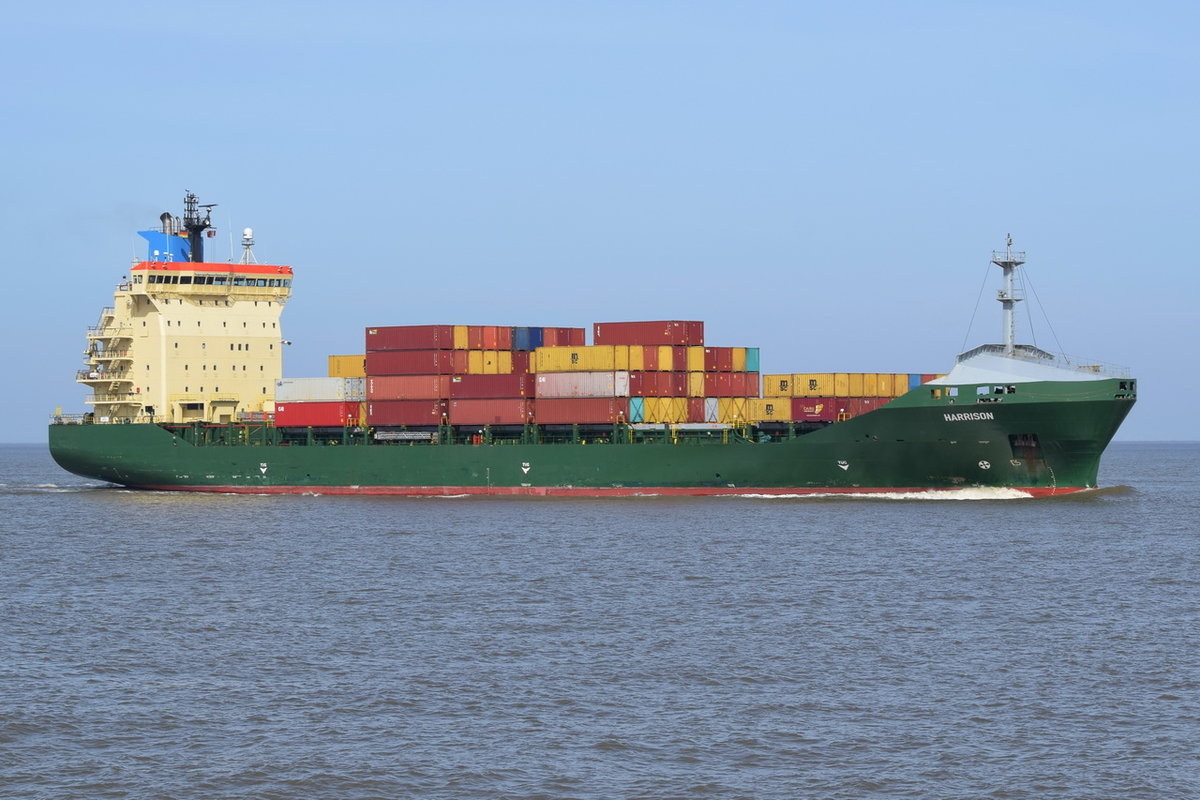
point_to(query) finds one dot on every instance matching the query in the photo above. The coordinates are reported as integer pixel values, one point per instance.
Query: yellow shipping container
(347, 366)
(841, 384)
(666, 358)
(504, 362)
(900, 383)
(870, 384)
(696, 384)
(597, 358)
(768, 409)
(460, 338)
(777, 385)
(884, 385)
(739, 359)
(695, 359)
(637, 357)
(733, 409)
(665, 409)
(620, 356)
(854, 382)
(475, 362)
(814, 384)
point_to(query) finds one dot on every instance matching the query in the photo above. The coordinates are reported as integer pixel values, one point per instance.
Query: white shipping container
(320, 390)
(582, 384)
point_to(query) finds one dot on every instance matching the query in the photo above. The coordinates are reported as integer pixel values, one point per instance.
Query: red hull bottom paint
(585, 491)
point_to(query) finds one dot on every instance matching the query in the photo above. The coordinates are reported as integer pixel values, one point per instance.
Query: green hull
(1046, 439)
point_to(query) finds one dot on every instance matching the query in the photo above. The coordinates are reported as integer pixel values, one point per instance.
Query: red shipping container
(657, 332)
(816, 409)
(416, 362)
(408, 387)
(856, 406)
(674, 384)
(520, 362)
(475, 337)
(581, 410)
(480, 387)
(406, 412)
(503, 411)
(751, 384)
(718, 359)
(504, 339)
(643, 384)
(695, 409)
(650, 358)
(410, 337)
(563, 337)
(927, 377)
(316, 415)
(718, 384)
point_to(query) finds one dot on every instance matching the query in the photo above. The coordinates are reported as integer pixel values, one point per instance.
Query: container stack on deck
(421, 375)
(834, 396)
(319, 402)
(634, 372)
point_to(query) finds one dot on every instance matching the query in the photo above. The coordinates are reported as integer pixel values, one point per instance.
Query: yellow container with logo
(777, 385)
(768, 409)
(596, 358)
(814, 384)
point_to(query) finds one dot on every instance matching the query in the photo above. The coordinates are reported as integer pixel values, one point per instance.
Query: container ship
(185, 370)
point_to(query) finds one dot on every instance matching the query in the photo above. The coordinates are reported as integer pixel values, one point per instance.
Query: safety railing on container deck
(71, 419)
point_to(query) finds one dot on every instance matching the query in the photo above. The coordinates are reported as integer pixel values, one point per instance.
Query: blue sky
(823, 181)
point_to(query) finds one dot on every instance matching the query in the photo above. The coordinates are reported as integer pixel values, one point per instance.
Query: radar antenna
(248, 246)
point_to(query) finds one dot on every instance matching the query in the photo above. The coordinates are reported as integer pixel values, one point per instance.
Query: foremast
(1008, 261)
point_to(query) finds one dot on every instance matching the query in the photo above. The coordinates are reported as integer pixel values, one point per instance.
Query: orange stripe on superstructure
(204, 266)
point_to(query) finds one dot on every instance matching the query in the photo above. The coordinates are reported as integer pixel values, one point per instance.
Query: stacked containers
(454, 374)
(319, 402)
(834, 396)
(671, 371)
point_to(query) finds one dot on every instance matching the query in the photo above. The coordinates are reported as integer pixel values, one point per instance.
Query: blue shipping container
(525, 338)
(752, 359)
(637, 409)
(914, 381)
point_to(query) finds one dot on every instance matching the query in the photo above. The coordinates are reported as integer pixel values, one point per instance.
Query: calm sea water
(191, 646)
